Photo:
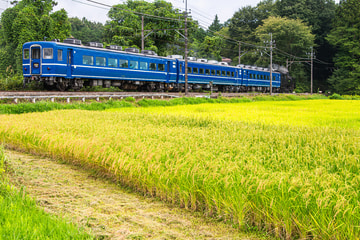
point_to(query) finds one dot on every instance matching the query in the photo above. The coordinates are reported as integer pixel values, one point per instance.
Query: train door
(181, 72)
(35, 60)
(69, 63)
(169, 65)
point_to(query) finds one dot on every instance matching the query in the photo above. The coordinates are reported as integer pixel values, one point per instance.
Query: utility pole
(142, 34)
(239, 53)
(186, 51)
(271, 69)
(312, 65)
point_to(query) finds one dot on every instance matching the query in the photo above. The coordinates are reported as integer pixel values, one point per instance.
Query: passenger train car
(70, 65)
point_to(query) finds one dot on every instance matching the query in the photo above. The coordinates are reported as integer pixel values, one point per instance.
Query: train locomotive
(71, 65)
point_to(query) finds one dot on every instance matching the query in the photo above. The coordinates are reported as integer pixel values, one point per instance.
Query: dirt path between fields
(106, 209)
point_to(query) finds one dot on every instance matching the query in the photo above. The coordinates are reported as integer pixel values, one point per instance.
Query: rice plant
(289, 168)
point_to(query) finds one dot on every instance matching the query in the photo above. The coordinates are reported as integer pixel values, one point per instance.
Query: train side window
(223, 73)
(232, 74)
(26, 53)
(180, 68)
(152, 66)
(218, 72)
(189, 70)
(213, 72)
(100, 61)
(48, 53)
(195, 70)
(207, 71)
(35, 53)
(123, 63)
(112, 62)
(228, 74)
(161, 67)
(59, 55)
(143, 65)
(201, 71)
(88, 60)
(134, 64)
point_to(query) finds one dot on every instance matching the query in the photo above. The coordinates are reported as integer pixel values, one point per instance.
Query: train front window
(35, 53)
(48, 53)
(26, 53)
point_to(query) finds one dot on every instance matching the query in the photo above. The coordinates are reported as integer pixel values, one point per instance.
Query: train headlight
(36, 65)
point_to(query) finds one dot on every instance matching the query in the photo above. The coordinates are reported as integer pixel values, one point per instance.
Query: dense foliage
(328, 30)
(124, 29)
(28, 20)
(346, 37)
(86, 30)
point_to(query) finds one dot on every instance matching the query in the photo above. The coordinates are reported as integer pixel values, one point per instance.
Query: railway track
(34, 96)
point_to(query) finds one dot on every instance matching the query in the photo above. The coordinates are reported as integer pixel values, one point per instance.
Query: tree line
(332, 30)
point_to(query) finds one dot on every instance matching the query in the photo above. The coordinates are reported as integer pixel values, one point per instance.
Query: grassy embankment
(44, 106)
(290, 168)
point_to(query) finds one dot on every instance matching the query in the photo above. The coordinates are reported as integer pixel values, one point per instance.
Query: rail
(84, 97)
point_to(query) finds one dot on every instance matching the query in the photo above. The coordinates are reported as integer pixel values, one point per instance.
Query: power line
(138, 13)
(228, 39)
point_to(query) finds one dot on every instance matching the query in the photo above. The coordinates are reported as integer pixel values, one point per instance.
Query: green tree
(242, 27)
(29, 20)
(215, 26)
(318, 14)
(346, 38)
(291, 36)
(86, 30)
(211, 47)
(125, 25)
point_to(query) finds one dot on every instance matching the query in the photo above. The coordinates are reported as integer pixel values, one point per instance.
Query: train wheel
(61, 86)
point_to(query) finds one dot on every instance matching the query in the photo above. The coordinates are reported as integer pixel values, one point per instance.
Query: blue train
(70, 65)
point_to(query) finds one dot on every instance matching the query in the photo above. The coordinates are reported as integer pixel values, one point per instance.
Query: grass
(45, 106)
(20, 218)
(287, 167)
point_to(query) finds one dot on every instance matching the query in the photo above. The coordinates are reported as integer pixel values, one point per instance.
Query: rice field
(288, 168)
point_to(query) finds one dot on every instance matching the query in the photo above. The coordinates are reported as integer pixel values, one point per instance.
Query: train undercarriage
(63, 84)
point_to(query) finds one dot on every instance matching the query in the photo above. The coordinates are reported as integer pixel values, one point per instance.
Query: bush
(336, 96)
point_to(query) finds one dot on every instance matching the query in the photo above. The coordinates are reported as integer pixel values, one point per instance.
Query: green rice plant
(20, 218)
(287, 167)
